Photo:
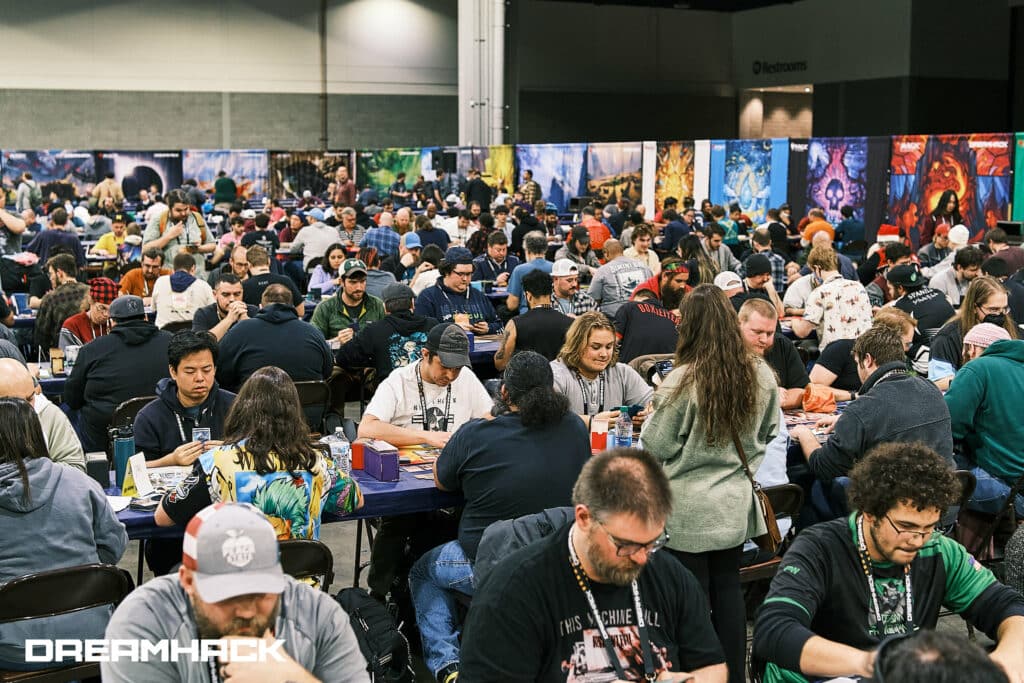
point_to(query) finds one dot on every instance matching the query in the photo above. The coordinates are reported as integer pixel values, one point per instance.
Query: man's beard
(671, 298)
(254, 627)
(609, 573)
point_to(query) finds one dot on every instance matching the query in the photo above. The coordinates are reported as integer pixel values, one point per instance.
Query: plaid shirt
(778, 271)
(580, 303)
(384, 240)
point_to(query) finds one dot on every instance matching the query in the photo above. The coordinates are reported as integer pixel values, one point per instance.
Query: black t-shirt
(785, 361)
(503, 475)
(265, 238)
(542, 330)
(948, 344)
(1015, 299)
(930, 308)
(253, 288)
(207, 317)
(646, 327)
(837, 358)
(530, 621)
(821, 589)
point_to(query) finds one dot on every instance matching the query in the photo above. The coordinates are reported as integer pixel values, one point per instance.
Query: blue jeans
(990, 492)
(432, 581)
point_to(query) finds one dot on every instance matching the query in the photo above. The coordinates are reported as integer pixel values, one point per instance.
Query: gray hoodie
(51, 531)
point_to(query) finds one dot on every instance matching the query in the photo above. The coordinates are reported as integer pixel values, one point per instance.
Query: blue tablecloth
(483, 351)
(380, 499)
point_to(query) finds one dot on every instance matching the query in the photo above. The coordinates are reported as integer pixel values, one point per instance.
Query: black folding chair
(303, 558)
(56, 592)
(124, 416)
(786, 500)
(315, 398)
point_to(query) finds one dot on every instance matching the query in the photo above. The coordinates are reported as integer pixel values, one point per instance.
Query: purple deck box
(380, 460)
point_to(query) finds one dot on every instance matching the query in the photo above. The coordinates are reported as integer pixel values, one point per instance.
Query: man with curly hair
(847, 584)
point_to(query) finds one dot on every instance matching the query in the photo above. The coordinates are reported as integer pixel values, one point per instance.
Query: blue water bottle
(624, 429)
(124, 448)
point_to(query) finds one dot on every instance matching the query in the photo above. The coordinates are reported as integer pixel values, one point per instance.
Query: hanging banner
(615, 171)
(292, 173)
(68, 173)
(751, 173)
(559, 169)
(674, 174)
(155, 172)
(247, 167)
(379, 168)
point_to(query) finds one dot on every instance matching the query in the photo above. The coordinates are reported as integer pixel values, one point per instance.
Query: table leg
(142, 562)
(359, 550)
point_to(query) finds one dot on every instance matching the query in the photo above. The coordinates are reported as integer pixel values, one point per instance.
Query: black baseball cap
(451, 345)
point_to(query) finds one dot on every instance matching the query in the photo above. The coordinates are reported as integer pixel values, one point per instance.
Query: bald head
(821, 239)
(386, 219)
(612, 248)
(15, 381)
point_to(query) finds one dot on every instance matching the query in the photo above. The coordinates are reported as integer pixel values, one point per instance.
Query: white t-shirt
(174, 307)
(397, 400)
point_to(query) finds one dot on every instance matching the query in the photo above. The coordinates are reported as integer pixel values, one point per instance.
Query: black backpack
(385, 648)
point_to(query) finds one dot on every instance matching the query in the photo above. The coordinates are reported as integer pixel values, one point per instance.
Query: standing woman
(719, 395)
(702, 269)
(947, 210)
(327, 274)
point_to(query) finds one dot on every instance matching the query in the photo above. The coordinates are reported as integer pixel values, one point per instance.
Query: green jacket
(713, 504)
(984, 410)
(330, 316)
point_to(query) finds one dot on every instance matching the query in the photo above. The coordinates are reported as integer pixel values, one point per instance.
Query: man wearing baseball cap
(566, 296)
(424, 402)
(342, 316)
(94, 322)
(231, 585)
(108, 243)
(909, 291)
(123, 364)
(403, 264)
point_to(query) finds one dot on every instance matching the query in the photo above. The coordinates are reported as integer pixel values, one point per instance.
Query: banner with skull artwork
(974, 166)
(750, 173)
(847, 172)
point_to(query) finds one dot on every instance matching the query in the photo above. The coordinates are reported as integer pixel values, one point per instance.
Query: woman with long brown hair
(985, 301)
(720, 398)
(269, 461)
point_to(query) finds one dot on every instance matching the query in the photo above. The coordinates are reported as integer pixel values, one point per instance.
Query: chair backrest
(315, 398)
(302, 558)
(63, 591)
(177, 326)
(786, 500)
(948, 523)
(645, 364)
(124, 415)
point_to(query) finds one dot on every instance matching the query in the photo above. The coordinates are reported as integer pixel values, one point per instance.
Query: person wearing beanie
(395, 341)
(452, 300)
(985, 416)
(503, 475)
(758, 283)
(94, 322)
(933, 253)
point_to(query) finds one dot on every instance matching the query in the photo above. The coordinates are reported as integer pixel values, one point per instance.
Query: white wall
(835, 41)
(605, 48)
(374, 46)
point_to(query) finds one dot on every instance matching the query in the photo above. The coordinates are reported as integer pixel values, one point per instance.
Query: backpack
(35, 195)
(199, 221)
(388, 659)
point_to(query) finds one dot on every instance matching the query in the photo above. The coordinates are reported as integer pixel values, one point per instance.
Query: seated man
(395, 341)
(893, 406)
(535, 246)
(541, 329)
(276, 336)
(985, 420)
(452, 300)
(124, 364)
(566, 295)
(140, 281)
(758, 283)
(227, 309)
(165, 429)
(758, 322)
(541, 613)
(62, 444)
(93, 322)
(838, 308)
(577, 249)
(929, 656)
(62, 302)
(177, 297)
(231, 584)
(813, 620)
(342, 316)
(496, 265)
(260, 278)
(645, 325)
(425, 402)
(503, 475)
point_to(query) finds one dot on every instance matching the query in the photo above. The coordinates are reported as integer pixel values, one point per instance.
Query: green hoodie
(983, 405)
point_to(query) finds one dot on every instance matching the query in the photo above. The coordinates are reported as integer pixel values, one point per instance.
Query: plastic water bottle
(341, 449)
(624, 429)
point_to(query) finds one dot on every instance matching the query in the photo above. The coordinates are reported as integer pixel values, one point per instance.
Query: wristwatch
(853, 395)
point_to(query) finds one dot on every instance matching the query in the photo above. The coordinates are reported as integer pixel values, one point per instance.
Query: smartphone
(663, 368)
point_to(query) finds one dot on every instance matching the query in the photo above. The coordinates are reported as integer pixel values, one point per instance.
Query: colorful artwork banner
(379, 168)
(615, 171)
(559, 169)
(68, 173)
(751, 173)
(291, 173)
(247, 167)
(673, 176)
(141, 170)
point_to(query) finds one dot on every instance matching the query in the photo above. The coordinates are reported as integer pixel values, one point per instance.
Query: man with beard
(571, 602)
(885, 562)
(669, 285)
(231, 585)
(758, 323)
(228, 309)
(644, 326)
(567, 297)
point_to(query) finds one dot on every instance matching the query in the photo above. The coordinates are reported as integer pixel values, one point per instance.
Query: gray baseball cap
(451, 345)
(232, 550)
(127, 306)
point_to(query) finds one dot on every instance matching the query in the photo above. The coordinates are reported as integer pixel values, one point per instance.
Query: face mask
(997, 319)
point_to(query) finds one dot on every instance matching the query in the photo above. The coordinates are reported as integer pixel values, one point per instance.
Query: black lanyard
(585, 391)
(613, 658)
(908, 594)
(443, 424)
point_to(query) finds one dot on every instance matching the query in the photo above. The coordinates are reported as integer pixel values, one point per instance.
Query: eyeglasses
(628, 548)
(462, 274)
(909, 533)
(988, 310)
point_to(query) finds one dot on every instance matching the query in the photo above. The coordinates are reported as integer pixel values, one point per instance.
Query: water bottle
(124, 448)
(624, 429)
(341, 449)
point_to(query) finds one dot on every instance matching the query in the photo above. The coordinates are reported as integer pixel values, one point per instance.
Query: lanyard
(496, 270)
(584, 389)
(443, 424)
(451, 305)
(908, 594)
(562, 308)
(613, 658)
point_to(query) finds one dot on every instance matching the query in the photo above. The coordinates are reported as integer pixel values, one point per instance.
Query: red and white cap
(232, 550)
(888, 233)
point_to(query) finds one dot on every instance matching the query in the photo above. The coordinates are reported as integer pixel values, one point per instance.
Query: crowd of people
(694, 326)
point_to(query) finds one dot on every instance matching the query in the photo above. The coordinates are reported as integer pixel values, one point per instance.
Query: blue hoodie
(442, 303)
(66, 522)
